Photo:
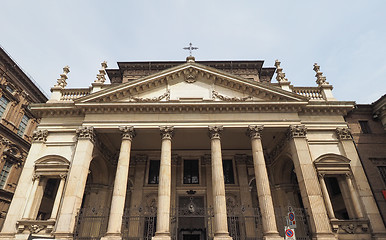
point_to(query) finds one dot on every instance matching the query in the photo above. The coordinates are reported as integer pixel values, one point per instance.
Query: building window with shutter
(229, 177)
(23, 125)
(3, 105)
(191, 172)
(154, 172)
(365, 127)
(4, 173)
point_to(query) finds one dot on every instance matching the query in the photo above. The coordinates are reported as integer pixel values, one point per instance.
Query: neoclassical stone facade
(193, 150)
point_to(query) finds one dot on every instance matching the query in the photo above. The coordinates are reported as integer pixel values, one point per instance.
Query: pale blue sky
(346, 38)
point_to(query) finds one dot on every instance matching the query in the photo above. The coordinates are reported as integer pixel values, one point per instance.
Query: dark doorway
(191, 237)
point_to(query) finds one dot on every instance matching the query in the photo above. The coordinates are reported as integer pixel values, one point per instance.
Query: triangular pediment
(192, 82)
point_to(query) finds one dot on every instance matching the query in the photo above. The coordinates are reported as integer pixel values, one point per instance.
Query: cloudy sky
(346, 38)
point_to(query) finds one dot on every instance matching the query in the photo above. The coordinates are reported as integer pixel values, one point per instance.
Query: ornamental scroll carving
(167, 132)
(343, 133)
(165, 96)
(86, 133)
(215, 132)
(297, 131)
(228, 99)
(255, 131)
(127, 132)
(40, 135)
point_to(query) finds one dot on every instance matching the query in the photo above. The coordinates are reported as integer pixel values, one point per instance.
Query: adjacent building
(193, 150)
(17, 123)
(368, 127)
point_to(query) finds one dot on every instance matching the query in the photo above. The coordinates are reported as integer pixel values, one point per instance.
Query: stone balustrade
(71, 94)
(310, 92)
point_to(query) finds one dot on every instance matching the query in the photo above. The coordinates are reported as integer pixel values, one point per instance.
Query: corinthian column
(164, 185)
(218, 186)
(262, 184)
(120, 185)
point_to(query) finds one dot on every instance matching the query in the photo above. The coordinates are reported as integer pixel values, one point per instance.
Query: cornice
(80, 109)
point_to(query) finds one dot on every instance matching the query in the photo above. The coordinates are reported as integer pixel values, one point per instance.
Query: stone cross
(190, 48)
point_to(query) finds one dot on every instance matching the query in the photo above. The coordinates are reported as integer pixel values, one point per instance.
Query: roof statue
(320, 79)
(62, 81)
(101, 76)
(280, 76)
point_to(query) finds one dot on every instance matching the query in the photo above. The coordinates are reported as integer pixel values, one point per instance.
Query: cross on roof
(190, 48)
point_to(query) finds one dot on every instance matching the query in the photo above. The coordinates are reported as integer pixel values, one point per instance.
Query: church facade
(193, 150)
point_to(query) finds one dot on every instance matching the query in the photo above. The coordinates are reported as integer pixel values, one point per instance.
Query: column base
(162, 236)
(273, 237)
(112, 236)
(323, 236)
(222, 236)
(63, 236)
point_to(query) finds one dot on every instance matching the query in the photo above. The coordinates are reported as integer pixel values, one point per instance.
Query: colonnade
(307, 178)
(218, 188)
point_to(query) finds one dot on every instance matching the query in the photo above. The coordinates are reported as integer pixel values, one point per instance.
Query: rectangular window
(3, 105)
(11, 90)
(229, 177)
(191, 172)
(23, 125)
(382, 171)
(365, 126)
(4, 173)
(154, 172)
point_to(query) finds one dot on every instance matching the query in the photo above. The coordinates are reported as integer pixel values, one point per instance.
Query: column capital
(348, 175)
(343, 133)
(63, 176)
(321, 175)
(167, 132)
(255, 131)
(127, 132)
(215, 132)
(40, 135)
(296, 131)
(36, 176)
(86, 133)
